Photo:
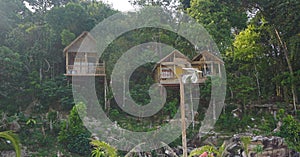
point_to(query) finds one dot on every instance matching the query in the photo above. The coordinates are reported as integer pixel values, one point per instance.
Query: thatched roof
(85, 42)
(176, 57)
(208, 57)
(175, 54)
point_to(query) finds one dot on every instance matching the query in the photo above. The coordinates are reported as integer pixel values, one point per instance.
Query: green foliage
(199, 151)
(73, 134)
(209, 149)
(114, 113)
(74, 17)
(31, 122)
(218, 18)
(206, 89)
(52, 116)
(67, 37)
(290, 130)
(171, 107)
(10, 73)
(244, 88)
(258, 149)
(52, 92)
(102, 149)
(230, 124)
(246, 57)
(98, 11)
(245, 142)
(32, 63)
(246, 44)
(267, 127)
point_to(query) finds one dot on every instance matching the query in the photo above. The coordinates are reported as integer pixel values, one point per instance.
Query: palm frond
(8, 135)
(102, 147)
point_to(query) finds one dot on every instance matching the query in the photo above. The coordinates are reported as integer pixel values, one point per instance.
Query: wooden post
(124, 90)
(182, 111)
(86, 63)
(67, 62)
(212, 68)
(192, 105)
(159, 75)
(214, 109)
(219, 66)
(105, 93)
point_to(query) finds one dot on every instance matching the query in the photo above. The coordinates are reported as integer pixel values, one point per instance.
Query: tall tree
(219, 19)
(245, 63)
(97, 10)
(10, 77)
(72, 17)
(284, 19)
(12, 12)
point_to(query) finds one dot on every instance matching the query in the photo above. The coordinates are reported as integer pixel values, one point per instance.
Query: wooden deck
(175, 81)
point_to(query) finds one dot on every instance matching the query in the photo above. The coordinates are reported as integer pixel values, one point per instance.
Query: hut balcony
(166, 74)
(87, 69)
(166, 78)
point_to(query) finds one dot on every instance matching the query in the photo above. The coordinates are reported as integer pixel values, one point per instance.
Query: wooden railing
(86, 69)
(172, 79)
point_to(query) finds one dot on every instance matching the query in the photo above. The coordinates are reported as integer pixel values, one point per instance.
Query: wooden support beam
(105, 93)
(182, 111)
(67, 62)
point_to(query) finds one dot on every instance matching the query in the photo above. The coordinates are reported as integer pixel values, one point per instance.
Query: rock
(14, 126)
(12, 153)
(260, 146)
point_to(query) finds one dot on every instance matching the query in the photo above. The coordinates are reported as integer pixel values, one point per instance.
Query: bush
(290, 130)
(114, 113)
(73, 134)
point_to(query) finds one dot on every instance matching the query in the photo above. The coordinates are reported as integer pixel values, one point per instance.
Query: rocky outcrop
(259, 146)
(13, 153)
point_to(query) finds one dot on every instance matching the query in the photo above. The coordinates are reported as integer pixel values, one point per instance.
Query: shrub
(73, 134)
(290, 130)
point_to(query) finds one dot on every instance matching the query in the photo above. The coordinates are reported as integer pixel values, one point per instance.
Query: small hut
(171, 66)
(81, 57)
(209, 64)
(174, 64)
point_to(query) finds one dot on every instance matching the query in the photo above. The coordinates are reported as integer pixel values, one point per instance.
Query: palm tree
(102, 149)
(8, 135)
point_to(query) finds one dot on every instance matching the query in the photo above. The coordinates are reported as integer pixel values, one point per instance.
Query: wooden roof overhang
(85, 42)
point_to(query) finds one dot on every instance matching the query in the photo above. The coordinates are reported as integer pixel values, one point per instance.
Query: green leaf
(8, 135)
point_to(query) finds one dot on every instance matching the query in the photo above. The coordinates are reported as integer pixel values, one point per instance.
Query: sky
(121, 5)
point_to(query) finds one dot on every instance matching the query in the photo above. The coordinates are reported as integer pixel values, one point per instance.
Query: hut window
(167, 73)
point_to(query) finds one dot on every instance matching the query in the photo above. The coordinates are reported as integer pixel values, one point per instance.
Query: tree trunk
(285, 50)
(257, 81)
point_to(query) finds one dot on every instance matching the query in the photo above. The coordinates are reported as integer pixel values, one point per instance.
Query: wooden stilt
(124, 90)
(214, 109)
(219, 66)
(105, 93)
(192, 105)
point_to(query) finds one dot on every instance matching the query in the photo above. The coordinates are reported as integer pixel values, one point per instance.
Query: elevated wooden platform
(86, 70)
(175, 81)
